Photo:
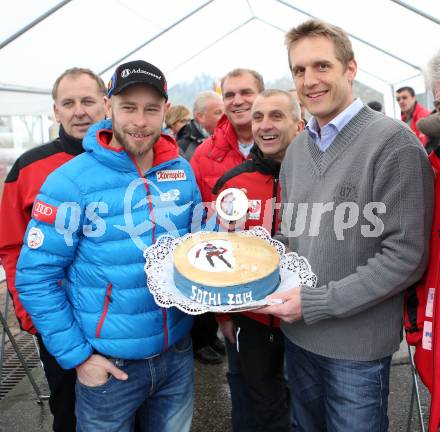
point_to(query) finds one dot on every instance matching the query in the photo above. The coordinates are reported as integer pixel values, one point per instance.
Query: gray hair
(293, 103)
(202, 100)
(432, 71)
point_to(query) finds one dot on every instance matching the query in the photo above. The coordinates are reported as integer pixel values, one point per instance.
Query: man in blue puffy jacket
(80, 273)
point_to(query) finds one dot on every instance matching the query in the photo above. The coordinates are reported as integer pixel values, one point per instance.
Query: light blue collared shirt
(323, 138)
(245, 149)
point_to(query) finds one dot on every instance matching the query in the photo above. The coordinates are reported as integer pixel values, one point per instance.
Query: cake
(219, 268)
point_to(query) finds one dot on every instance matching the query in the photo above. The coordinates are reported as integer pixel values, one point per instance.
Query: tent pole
(155, 37)
(417, 11)
(354, 37)
(33, 23)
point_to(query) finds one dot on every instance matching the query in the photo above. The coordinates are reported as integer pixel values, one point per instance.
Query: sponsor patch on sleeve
(430, 303)
(427, 336)
(44, 212)
(35, 238)
(171, 175)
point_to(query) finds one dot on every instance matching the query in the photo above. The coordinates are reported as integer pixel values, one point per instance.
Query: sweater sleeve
(403, 182)
(48, 250)
(280, 233)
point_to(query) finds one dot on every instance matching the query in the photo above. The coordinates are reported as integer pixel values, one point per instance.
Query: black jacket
(189, 138)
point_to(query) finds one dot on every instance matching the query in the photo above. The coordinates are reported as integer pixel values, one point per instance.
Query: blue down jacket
(81, 270)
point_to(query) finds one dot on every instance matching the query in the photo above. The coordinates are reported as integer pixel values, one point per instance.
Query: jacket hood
(97, 143)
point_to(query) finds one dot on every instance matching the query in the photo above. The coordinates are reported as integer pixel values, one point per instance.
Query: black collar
(69, 143)
(257, 163)
(265, 165)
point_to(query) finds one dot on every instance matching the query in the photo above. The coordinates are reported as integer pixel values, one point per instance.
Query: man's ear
(300, 126)
(351, 70)
(55, 112)
(108, 107)
(198, 117)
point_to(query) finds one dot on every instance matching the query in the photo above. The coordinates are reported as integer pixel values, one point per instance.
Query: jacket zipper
(104, 312)
(153, 240)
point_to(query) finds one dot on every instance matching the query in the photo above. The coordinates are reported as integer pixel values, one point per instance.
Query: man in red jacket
(232, 139)
(229, 146)
(276, 120)
(422, 307)
(78, 96)
(411, 110)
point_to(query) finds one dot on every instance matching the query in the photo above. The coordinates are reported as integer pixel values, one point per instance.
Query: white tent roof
(392, 39)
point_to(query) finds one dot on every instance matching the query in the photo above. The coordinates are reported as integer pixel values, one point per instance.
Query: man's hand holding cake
(289, 309)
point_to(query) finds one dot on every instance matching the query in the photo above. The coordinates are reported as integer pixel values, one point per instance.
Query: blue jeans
(243, 411)
(337, 395)
(160, 389)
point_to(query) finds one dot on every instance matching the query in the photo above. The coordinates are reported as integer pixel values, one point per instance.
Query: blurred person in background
(208, 108)
(78, 96)
(430, 125)
(176, 118)
(411, 110)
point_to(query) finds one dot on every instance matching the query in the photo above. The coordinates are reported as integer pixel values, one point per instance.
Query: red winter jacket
(20, 189)
(422, 313)
(259, 177)
(216, 155)
(418, 113)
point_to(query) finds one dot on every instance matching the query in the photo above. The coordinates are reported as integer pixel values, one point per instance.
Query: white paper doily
(294, 271)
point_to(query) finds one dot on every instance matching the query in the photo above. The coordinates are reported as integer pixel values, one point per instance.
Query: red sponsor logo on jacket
(44, 212)
(171, 175)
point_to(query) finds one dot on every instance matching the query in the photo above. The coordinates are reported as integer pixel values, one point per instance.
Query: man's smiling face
(323, 83)
(239, 93)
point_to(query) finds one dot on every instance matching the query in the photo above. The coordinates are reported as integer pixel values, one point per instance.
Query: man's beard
(132, 148)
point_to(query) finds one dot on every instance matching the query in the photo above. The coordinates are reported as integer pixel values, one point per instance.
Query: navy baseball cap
(137, 72)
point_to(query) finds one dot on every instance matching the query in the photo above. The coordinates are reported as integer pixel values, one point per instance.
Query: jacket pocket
(107, 300)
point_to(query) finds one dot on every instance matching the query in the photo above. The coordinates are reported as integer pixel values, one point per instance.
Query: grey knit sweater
(361, 214)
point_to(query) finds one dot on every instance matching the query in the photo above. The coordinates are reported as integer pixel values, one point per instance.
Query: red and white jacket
(422, 313)
(20, 189)
(259, 178)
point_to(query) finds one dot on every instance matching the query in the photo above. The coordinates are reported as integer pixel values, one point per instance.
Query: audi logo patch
(44, 212)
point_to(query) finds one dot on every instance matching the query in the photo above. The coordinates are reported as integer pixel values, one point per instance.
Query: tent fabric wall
(184, 39)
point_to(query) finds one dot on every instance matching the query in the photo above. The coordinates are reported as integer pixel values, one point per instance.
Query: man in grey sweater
(357, 190)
